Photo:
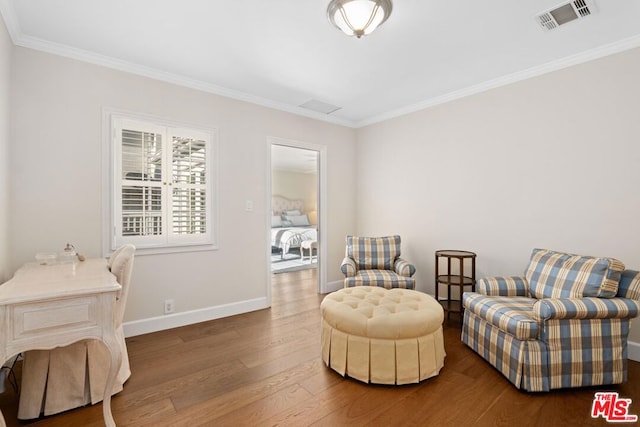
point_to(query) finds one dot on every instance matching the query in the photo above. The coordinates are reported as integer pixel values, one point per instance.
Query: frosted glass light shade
(358, 17)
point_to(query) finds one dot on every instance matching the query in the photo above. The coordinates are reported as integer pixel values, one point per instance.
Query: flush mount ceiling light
(358, 17)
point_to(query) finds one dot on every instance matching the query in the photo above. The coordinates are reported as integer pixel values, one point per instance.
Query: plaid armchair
(563, 324)
(375, 261)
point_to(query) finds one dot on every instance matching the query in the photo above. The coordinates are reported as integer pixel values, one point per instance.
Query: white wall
(57, 113)
(551, 162)
(6, 48)
(296, 186)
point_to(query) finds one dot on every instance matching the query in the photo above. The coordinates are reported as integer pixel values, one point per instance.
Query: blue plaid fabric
(586, 352)
(561, 336)
(383, 278)
(375, 261)
(348, 267)
(522, 362)
(559, 275)
(373, 252)
(629, 286)
(586, 308)
(511, 314)
(594, 354)
(403, 268)
(503, 286)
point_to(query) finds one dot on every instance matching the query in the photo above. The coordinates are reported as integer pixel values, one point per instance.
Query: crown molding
(10, 20)
(19, 39)
(569, 61)
(152, 73)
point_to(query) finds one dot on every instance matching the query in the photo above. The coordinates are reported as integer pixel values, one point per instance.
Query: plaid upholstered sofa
(563, 324)
(375, 261)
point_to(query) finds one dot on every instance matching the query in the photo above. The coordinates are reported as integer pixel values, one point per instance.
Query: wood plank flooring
(264, 369)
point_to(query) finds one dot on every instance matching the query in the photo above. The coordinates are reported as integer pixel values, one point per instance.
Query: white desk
(47, 306)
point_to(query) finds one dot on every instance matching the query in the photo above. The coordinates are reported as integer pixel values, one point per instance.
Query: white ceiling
(292, 159)
(283, 53)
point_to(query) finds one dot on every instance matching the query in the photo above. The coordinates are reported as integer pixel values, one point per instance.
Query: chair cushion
(629, 286)
(373, 252)
(560, 275)
(380, 313)
(383, 278)
(510, 314)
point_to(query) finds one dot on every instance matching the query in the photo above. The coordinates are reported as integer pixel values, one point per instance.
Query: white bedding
(285, 238)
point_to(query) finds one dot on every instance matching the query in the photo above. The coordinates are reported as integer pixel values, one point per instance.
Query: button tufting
(382, 336)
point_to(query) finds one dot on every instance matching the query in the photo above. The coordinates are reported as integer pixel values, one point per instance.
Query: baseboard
(633, 351)
(334, 286)
(160, 323)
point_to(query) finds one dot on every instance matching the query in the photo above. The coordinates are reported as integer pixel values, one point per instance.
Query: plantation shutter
(163, 186)
(189, 198)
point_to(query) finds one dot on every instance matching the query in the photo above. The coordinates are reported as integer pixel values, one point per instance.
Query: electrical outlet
(168, 306)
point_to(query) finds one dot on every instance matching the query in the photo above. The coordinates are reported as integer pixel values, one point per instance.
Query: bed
(290, 225)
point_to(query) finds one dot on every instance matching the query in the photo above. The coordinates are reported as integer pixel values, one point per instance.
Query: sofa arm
(511, 286)
(348, 267)
(585, 308)
(403, 268)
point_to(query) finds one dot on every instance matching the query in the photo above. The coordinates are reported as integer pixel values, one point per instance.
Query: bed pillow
(276, 221)
(293, 212)
(297, 220)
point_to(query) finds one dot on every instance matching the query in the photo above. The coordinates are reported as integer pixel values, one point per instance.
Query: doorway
(296, 211)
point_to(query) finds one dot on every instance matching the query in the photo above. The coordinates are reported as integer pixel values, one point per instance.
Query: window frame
(168, 242)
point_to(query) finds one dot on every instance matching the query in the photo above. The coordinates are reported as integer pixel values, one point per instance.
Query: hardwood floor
(264, 368)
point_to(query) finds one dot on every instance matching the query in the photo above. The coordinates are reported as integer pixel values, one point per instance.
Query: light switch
(248, 205)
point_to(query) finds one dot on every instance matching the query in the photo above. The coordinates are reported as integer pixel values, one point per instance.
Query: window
(162, 190)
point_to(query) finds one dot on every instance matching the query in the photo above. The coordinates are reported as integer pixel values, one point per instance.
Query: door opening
(296, 196)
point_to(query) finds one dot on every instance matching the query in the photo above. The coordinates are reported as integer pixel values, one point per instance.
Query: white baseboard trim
(169, 321)
(334, 286)
(633, 351)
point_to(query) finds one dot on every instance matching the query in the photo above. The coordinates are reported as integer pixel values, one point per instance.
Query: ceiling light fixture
(358, 17)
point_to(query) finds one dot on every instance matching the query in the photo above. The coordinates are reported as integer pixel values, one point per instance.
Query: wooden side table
(459, 279)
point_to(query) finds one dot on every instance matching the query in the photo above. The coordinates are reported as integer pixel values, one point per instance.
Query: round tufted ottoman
(382, 336)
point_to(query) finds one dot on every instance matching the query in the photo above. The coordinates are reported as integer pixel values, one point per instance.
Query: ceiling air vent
(319, 106)
(565, 12)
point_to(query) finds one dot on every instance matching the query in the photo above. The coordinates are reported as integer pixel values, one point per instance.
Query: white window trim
(108, 185)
